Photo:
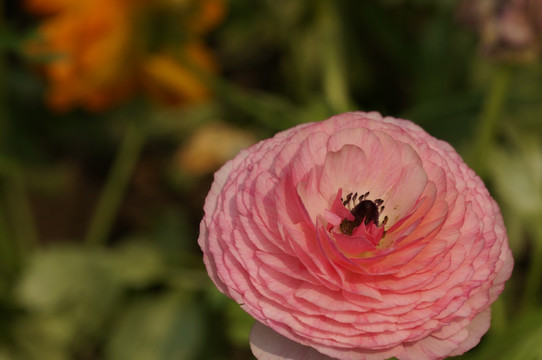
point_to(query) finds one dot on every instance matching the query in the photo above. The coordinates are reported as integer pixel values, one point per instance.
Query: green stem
(9, 247)
(3, 81)
(9, 254)
(334, 75)
(23, 226)
(17, 228)
(115, 186)
(492, 107)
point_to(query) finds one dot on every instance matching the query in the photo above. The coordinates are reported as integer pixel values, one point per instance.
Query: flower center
(366, 211)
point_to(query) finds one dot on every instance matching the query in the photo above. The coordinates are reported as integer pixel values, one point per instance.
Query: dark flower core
(366, 211)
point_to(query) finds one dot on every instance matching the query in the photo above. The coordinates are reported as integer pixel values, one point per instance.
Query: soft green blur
(100, 210)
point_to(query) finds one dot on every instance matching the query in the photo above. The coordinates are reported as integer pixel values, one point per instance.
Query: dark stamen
(366, 211)
(348, 197)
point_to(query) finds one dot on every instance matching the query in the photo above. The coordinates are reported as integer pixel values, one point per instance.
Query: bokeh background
(114, 114)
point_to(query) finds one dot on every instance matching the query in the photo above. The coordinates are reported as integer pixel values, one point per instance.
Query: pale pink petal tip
(266, 344)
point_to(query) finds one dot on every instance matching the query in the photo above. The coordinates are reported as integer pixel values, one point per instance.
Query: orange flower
(100, 56)
(174, 82)
(44, 7)
(208, 15)
(210, 146)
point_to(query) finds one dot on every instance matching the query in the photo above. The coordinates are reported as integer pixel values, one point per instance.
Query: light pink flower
(509, 29)
(359, 237)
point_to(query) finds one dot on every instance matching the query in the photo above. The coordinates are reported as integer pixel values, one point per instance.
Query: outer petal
(266, 344)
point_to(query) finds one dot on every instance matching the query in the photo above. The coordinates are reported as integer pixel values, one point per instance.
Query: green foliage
(161, 327)
(239, 324)
(521, 341)
(67, 294)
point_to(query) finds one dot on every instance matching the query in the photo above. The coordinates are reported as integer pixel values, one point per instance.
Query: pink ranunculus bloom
(358, 237)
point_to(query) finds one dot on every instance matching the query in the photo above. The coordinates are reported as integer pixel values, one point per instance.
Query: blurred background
(114, 115)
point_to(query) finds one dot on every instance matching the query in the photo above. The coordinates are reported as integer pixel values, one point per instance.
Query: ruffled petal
(266, 344)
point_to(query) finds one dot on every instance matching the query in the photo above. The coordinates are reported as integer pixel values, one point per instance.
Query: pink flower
(359, 237)
(509, 29)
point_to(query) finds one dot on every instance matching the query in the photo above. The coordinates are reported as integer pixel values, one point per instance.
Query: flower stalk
(115, 186)
(491, 110)
(17, 230)
(3, 75)
(333, 72)
(23, 228)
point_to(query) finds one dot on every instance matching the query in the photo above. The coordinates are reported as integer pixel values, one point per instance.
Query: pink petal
(353, 246)
(406, 191)
(477, 328)
(266, 344)
(311, 152)
(344, 169)
(313, 202)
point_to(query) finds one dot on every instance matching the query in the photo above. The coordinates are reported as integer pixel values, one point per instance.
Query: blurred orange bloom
(167, 80)
(210, 146)
(207, 16)
(101, 50)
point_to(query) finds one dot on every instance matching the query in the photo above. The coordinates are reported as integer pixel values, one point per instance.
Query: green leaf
(159, 327)
(517, 173)
(9, 40)
(137, 263)
(175, 235)
(5, 354)
(176, 123)
(43, 337)
(70, 283)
